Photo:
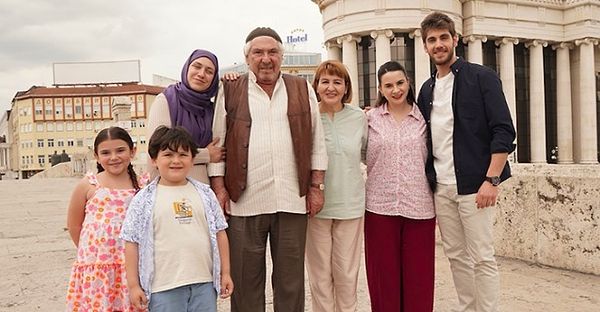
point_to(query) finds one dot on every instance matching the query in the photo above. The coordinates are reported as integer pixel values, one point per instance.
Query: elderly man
(273, 176)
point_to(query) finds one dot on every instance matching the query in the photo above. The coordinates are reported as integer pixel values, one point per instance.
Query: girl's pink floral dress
(97, 280)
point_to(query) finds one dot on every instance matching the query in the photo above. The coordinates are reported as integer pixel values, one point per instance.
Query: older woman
(334, 235)
(189, 104)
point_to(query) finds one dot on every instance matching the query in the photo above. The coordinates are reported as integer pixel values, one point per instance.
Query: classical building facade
(45, 120)
(545, 51)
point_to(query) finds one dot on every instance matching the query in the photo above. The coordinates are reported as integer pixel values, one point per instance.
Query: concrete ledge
(62, 170)
(550, 214)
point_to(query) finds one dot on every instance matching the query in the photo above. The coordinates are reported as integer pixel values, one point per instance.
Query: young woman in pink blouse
(400, 217)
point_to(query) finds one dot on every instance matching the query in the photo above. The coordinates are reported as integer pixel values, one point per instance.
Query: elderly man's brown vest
(239, 123)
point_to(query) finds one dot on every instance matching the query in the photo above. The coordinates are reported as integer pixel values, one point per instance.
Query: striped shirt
(396, 156)
(272, 184)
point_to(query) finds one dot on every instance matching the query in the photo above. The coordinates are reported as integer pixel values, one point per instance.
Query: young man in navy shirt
(470, 136)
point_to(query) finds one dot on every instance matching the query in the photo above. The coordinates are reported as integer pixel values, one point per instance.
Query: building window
(87, 107)
(69, 126)
(88, 125)
(133, 124)
(50, 142)
(549, 55)
(39, 127)
(142, 124)
(79, 126)
(522, 102)
(41, 159)
(38, 108)
(105, 107)
(68, 108)
(96, 108)
(79, 142)
(59, 126)
(70, 142)
(40, 143)
(142, 139)
(489, 49)
(89, 142)
(403, 51)
(366, 71)
(50, 126)
(60, 143)
(58, 109)
(308, 77)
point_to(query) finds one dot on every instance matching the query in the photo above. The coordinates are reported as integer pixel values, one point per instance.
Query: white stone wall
(550, 214)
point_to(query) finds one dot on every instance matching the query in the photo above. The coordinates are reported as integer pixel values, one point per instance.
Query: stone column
(564, 113)
(422, 63)
(507, 75)
(350, 59)
(537, 108)
(475, 48)
(382, 46)
(334, 51)
(587, 106)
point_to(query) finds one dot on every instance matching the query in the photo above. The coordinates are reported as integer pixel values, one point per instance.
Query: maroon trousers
(400, 260)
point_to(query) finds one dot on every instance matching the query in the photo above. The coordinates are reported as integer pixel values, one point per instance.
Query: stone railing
(550, 214)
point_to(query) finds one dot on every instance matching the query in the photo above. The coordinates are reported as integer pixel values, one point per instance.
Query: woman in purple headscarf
(188, 104)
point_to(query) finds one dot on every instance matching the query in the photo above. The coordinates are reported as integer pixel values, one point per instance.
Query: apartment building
(48, 120)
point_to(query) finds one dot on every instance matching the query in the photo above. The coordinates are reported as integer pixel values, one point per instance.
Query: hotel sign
(297, 35)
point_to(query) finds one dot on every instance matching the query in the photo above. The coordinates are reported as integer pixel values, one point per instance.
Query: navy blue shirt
(482, 124)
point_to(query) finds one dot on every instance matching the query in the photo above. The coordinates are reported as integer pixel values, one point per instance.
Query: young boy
(176, 248)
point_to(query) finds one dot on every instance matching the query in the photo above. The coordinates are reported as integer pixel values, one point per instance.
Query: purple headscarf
(191, 109)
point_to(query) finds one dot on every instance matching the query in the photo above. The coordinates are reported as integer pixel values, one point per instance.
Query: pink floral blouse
(396, 156)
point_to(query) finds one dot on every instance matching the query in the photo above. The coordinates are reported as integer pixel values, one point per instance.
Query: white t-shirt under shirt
(442, 129)
(182, 250)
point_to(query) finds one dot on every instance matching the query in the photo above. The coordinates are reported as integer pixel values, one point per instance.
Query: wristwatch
(495, 181)
(320, 186)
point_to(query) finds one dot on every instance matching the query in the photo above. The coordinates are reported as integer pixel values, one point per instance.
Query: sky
(161, 34)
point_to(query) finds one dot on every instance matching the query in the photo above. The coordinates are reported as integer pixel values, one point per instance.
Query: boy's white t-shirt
(442, 129)
(182, 249)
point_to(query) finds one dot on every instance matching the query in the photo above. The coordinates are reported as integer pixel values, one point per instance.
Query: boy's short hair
(164, 138)
(437, 20)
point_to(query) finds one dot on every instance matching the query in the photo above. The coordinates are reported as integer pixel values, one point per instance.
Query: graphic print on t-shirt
(183, 211)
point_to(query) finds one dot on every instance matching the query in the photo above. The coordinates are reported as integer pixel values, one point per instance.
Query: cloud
(37, 33)
(53, 31)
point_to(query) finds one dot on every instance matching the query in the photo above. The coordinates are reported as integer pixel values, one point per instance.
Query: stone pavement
(36, 254)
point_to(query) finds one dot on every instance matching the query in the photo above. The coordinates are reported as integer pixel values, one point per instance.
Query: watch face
(494, 180)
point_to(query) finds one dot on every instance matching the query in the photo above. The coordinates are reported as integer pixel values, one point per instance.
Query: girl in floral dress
(95, 214)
